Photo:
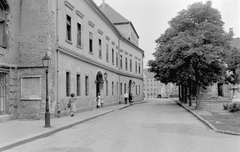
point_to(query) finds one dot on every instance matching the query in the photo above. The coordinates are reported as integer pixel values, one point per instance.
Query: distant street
(159, 125)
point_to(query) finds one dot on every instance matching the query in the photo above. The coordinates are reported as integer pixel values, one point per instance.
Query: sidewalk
(17, 132)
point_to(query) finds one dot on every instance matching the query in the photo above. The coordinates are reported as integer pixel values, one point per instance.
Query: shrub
(225, 106)
(232, 107)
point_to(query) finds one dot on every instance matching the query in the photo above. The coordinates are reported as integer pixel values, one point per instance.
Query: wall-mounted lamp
(133, 83)
(105, 75)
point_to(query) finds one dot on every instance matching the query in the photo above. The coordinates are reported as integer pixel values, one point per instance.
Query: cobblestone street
(158, 125)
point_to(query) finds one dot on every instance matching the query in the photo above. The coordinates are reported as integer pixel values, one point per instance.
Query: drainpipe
(119, 67)
(57, 51)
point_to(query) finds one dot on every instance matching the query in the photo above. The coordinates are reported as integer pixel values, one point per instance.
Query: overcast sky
(150, 17)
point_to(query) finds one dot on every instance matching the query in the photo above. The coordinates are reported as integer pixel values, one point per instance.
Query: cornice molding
(100, 32)
(79, 14)
(69, 5)
(107, 38)
(91, 24)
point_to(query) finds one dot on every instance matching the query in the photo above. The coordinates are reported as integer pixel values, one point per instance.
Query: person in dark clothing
(130, 98)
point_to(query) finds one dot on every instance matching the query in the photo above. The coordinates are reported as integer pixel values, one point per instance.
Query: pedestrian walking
(126, 97)
(98, 100)
(72, 104)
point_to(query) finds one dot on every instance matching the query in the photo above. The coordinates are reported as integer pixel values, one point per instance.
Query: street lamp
(46, 60)
(105, 75)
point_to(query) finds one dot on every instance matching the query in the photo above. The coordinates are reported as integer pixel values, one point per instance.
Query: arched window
(4, 8)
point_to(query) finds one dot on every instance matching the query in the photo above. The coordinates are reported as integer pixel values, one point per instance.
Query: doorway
(99, 84)
(130, 87)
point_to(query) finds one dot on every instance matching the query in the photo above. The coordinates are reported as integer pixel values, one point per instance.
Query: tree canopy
(192, 48)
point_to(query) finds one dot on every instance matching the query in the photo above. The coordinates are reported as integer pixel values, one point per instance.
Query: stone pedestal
(236, 93)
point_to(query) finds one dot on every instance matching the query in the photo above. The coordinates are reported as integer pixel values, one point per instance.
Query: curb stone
(206, 122)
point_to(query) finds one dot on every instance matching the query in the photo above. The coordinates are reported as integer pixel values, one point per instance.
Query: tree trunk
(185, 94)
(182, 94)
(198, 105)
(179, 93)
(190, 93)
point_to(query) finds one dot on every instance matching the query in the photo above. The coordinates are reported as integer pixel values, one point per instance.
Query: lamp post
(46, 60)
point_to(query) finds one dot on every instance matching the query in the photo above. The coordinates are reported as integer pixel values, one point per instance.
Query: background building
(84, 45)
(153, 88)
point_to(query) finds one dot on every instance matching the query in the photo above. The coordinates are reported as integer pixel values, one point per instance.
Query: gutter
(57, 58)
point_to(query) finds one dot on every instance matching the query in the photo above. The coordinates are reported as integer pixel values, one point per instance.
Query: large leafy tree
(192, 49)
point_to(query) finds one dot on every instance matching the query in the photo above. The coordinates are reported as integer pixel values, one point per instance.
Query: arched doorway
(99, 83)
(130, 87)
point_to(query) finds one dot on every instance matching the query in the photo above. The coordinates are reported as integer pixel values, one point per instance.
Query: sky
(150, 17)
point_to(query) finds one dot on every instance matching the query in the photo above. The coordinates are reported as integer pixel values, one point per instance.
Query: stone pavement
(17, 132)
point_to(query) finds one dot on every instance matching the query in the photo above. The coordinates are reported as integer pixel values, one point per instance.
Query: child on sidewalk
(73, 104)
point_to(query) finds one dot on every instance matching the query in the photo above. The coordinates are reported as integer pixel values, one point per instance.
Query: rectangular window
(139, 89)
(117, 88)
(136, 66)
(131, 65)
(126, 64)
(112, 88)
(113, 56)
(125, 88)
(121, 61)
(100, 48)
(68, 26)
(107, 53)
(120, 88)
(78, 85)
(67, 84)
(86, 85)
(90, 42)
(116, 59)
(79, 34)
(139, 68)
(106, 88)
(136, 89)
(2, 28)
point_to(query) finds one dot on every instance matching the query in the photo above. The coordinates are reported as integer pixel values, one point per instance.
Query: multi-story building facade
(89, 55)
(153, 88)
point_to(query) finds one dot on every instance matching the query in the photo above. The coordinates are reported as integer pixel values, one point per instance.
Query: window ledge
(90, 52)
(68, 41)
(28, 99)
(79, 46)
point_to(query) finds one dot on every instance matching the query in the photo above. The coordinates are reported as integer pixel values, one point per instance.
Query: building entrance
(99, 84)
